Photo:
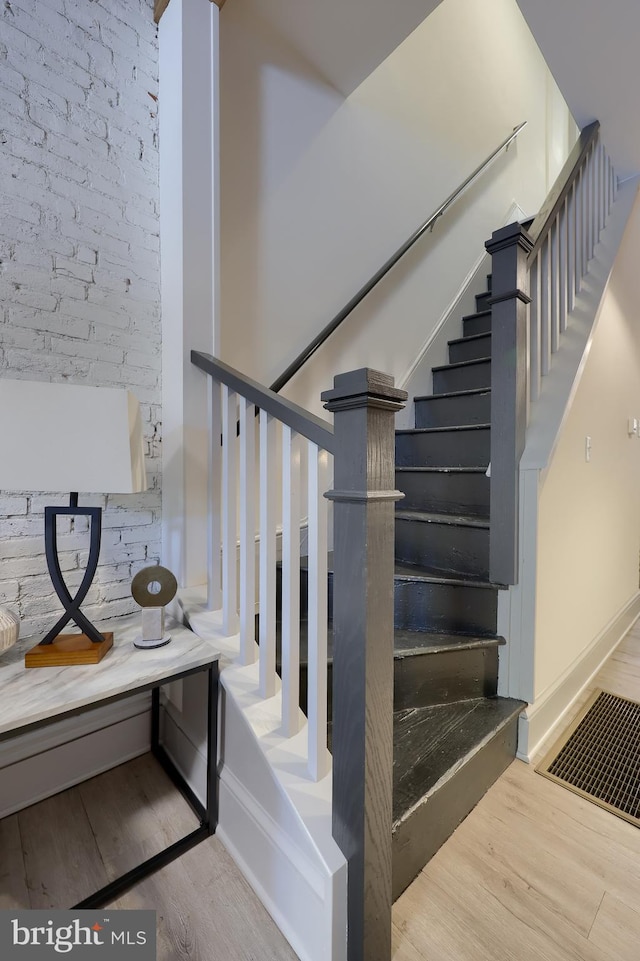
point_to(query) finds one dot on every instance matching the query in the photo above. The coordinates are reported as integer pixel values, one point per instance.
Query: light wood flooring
(535, 873)
(59, 851)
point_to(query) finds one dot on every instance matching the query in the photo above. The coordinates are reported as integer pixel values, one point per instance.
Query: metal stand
(208, 814)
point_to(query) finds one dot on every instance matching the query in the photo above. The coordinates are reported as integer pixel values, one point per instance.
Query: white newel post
(189, 199)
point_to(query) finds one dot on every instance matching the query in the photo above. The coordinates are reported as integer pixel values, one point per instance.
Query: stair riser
(428, 606)
(462, 378)
(448, 548)
(471, 349)
(482, 300)
(421, 680)
(453, 411)
(417, 838)
(456, 449)
(444, 493)
(425, 679)
(476, 325)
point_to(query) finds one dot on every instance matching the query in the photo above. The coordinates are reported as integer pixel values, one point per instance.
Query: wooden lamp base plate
(69, 649)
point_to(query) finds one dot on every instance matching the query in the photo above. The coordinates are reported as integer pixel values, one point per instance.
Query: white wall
(79, 263)
(589, 513)
(317, 190)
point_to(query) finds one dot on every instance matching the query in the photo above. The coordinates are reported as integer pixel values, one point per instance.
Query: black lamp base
(68, 643)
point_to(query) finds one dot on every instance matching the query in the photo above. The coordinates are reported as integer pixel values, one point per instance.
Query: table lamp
(69, 438)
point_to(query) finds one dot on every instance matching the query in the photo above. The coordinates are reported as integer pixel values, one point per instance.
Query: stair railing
(536, 275)
(268, 484)
(357, 298)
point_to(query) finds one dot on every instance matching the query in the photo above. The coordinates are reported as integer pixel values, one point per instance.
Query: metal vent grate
(599, 756)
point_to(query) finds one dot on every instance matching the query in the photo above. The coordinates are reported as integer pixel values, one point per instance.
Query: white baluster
(317, 621)
(290, 581)
(579, 231)
(268, 508)
(571, 249)
(247, 532)
(584, 190)
(545, 308)
(554, 274)
(534, 332)
(214, 576)
(229, 512)
(602, 186)
(563, 225)
(593, 212)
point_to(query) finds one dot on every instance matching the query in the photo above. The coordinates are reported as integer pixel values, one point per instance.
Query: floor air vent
(599, 756)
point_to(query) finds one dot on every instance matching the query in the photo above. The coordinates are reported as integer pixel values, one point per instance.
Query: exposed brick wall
(79, 271)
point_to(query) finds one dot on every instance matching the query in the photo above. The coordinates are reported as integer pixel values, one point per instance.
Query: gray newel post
(509, 248)
(364, 403)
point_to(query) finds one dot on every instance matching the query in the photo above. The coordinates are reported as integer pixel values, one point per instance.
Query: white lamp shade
(65, 437)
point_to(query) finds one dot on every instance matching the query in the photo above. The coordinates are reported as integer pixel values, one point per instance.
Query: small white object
(153, 633)
(9, 628)
(632, 426)
(587, 448)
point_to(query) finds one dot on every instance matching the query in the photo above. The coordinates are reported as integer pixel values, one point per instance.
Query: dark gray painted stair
(458, 407)
(478, 323)
(451, 543)
(464, 446)
(465, 376)
(444, 489)
(445, 758)
(453, 736)
(449, 743)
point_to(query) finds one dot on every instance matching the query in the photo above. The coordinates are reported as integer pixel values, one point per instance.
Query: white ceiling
(591, 47)
(345, 40)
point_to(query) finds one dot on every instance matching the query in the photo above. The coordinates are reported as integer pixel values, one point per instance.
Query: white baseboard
(35, 765)
(297, 896)
(538, 720)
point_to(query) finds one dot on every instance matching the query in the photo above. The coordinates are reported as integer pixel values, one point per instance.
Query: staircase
(453, 736)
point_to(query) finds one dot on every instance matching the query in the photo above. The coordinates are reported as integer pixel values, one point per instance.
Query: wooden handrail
(297, 418)
(560, 190)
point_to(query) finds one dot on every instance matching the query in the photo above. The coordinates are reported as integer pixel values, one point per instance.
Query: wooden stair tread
(410, 572)
(407, 643)
(442, 430)
(462, 363)
(444, 470)
(468, 338)
(453, 393)
(478, 313)
(452, 520)
(431, 742)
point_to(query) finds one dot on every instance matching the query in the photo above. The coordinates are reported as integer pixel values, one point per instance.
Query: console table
(32, 698)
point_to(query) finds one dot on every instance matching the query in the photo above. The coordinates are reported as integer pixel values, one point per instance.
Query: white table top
(30, 695)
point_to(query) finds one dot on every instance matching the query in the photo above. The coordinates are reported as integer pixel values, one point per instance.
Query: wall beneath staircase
(589, 512)
(318, 190)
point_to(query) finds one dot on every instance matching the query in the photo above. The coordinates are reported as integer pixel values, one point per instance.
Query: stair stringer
(273, 819)
(517, 604)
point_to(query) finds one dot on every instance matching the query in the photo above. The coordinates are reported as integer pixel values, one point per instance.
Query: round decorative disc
(154, 586)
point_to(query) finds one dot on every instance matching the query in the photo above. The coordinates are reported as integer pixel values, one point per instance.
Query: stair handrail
(536, 275)
(302, 421)
(357, 298)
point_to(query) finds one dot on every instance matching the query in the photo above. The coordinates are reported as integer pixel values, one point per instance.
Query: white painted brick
(9, 592)
(14, 505)
(12, 337)
(87, 255)
(11, 103)
(82, 281)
